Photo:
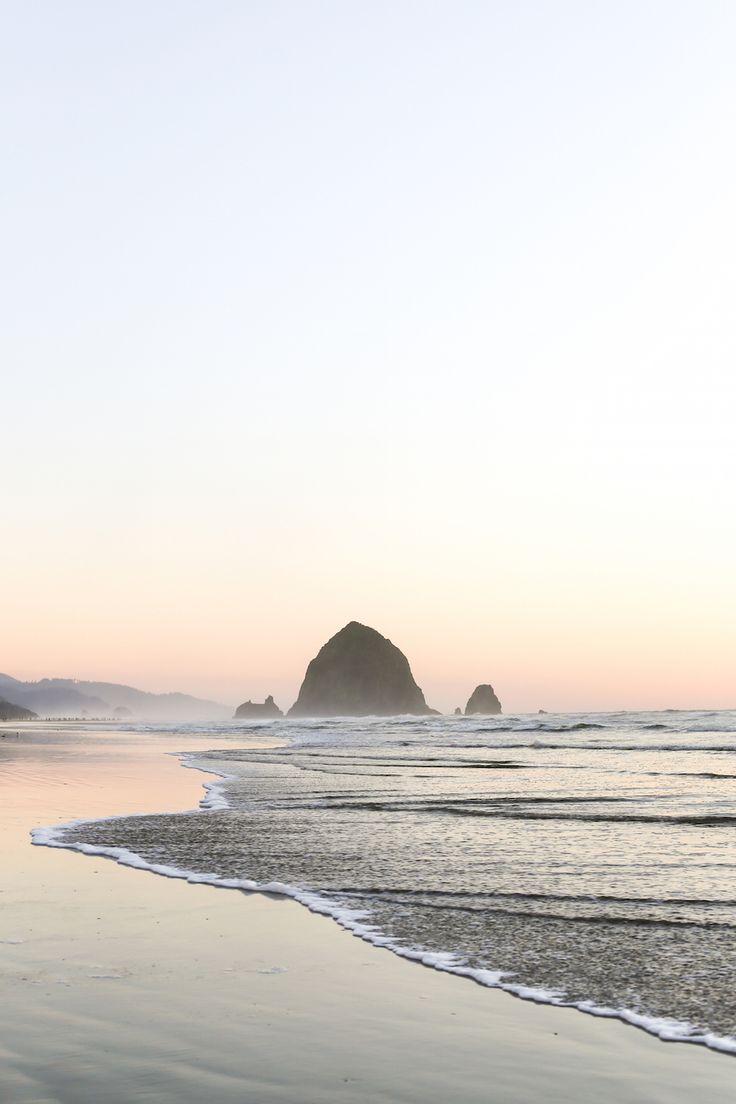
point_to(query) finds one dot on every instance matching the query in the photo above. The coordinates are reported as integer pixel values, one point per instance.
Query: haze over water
(584, 859)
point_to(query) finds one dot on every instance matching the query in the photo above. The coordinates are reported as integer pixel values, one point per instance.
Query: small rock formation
(10, 712)
(122, 711)
(458, 711)
(483, 700)
(250, 709)
(359, 673)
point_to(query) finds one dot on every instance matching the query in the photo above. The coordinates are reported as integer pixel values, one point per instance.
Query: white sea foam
(354, 921)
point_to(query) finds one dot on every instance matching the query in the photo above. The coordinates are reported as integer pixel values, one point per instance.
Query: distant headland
(59, 697)
(11, 712)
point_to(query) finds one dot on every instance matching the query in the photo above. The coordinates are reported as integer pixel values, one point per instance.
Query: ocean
(584, 860)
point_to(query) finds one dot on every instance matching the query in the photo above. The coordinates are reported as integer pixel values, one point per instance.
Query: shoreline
(351, 920)
(274, 1003)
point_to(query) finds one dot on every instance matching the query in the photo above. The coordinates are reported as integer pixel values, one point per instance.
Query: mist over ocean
(582, 859)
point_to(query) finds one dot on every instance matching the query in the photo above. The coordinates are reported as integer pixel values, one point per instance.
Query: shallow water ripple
(582, 859)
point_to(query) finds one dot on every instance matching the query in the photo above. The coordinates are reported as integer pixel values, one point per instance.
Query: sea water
(585, 860)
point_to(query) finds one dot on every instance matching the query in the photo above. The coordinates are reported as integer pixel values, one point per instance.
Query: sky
(416, 314)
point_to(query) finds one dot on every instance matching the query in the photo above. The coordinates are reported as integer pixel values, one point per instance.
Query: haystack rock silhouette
(359, 673)
(250, 709)
(483, 700)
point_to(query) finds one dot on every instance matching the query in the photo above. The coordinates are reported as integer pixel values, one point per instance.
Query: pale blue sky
(419, 313)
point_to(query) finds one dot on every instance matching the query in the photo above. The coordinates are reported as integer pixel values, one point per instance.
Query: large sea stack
(483, 700)
(263, 710)
(359, 673)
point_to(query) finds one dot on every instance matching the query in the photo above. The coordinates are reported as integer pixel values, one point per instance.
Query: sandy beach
(120, 986)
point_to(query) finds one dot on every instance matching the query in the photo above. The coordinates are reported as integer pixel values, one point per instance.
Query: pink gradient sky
(417, 315)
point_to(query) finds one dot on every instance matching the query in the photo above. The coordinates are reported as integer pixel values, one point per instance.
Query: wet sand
(122, 986)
